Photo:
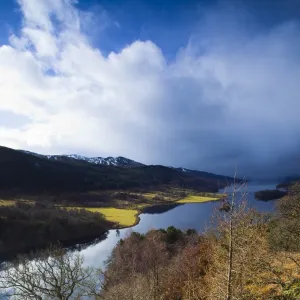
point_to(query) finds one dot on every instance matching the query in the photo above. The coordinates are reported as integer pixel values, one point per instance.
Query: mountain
(203, 174)
(107, 161)
(124, 163)
(25, 173)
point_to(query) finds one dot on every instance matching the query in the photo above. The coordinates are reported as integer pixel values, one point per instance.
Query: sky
(207, 85)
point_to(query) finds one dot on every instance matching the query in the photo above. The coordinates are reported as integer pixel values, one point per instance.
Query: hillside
(24, 173)
(208, 175)
(288, 181)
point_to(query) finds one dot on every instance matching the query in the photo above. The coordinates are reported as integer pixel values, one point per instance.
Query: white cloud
(234, 102)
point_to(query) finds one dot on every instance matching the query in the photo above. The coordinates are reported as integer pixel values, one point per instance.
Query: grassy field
(7, 202)
(149, 195)
(196, 199)
(125, 217)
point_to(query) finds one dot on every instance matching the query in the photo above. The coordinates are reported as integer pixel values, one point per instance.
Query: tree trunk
(230, 245)
(230, 251)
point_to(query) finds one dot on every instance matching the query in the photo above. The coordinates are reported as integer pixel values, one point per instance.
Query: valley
(70, 189)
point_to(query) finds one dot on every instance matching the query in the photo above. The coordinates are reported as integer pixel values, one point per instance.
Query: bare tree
(55, 274)
(135, 269)
(235, 235)
(236, 188)
(154, 258)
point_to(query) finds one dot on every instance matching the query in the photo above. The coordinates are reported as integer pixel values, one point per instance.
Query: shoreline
(162, 204)
(137, 221)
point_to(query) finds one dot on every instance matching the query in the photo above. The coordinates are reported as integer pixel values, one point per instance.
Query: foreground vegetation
(245, 255)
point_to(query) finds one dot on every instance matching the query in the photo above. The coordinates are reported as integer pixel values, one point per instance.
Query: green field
(124, 217)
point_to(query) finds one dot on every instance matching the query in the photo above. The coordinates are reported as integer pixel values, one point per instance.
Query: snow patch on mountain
(119, 161)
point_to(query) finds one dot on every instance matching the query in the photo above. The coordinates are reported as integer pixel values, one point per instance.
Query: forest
(26, 226)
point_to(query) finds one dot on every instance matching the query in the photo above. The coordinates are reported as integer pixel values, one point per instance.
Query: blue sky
(166, 22)
(169, 24)
(198, 84)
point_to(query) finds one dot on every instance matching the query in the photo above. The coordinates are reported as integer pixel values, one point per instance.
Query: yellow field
(7, 202)
(196, 199)
(149, 195)
(125, 217)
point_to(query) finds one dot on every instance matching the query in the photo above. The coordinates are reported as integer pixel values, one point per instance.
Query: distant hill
(202, 174)
(23, 172)
(287, 181)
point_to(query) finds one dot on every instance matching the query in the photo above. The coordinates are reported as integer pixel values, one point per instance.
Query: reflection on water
(160, 209)
(185, 216)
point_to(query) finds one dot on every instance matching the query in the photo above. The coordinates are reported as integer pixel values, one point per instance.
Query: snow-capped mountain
(183, 170)
(120, 161)
(108, 161)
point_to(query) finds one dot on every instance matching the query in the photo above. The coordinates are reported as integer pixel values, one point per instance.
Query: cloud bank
(230, 97)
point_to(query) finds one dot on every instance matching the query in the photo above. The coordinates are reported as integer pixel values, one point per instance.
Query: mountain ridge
(121, 161)
(24, 174)
(118, 161)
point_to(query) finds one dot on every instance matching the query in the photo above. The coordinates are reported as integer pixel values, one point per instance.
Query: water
(194, 215)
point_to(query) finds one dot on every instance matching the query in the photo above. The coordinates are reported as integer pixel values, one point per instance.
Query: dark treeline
(269, 195)
(24, 227)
